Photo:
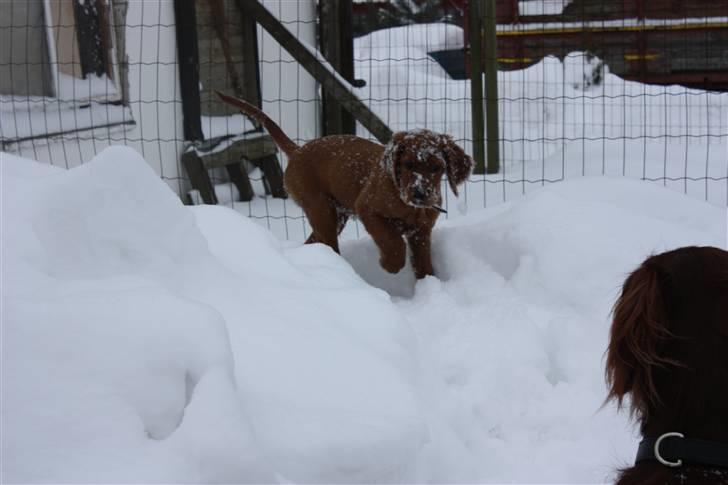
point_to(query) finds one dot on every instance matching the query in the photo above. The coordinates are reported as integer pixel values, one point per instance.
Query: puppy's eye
(436, 169)
(409, 165)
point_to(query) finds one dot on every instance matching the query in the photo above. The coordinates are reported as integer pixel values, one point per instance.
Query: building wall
(24, 66)
(290, 94)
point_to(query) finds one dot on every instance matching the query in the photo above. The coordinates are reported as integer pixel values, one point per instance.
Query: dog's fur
(394, 189)
(669, 351)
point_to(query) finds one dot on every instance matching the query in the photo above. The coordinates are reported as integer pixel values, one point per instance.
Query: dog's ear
(392, 154)
(639, 329)
(459, 164)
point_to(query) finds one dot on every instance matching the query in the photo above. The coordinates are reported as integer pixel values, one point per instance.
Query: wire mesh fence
(584, 89)
(53, 110)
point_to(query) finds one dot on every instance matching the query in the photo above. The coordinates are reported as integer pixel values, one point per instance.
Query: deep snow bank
(144, 341)
(513, 333)
(131, 353)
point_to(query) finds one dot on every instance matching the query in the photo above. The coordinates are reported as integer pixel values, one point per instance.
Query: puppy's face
(418, 170)
(417, 160)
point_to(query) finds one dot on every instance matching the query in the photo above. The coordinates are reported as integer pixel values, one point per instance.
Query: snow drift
(145, 341)
(132, 354)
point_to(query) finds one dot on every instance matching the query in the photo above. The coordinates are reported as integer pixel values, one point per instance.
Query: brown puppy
(394, 189)
(669, 351)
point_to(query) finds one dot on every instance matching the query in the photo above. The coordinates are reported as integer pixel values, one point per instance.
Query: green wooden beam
(491, 86)
(476, 84)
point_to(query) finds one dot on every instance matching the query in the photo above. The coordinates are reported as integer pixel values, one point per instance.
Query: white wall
(289, 93)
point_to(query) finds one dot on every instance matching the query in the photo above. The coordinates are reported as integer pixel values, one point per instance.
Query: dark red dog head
(417, 161)
(669, 343)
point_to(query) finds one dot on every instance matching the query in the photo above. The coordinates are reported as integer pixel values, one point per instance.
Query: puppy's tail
(284, 143)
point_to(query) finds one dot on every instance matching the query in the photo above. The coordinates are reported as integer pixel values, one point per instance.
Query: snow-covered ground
(146, 341)
(555, 123)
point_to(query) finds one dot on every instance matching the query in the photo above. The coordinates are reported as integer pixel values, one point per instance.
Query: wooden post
(240, 180)
(305, 56)
(491, 85)
(476, 84)
(337, 45)
(186, 27)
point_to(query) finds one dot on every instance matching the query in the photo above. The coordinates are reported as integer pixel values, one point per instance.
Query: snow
(542, 7)
(146, 341)
(131, 353)
(223, 143)
(431, 36)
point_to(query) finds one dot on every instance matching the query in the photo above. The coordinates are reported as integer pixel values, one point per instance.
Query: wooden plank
(199, 177)
(654, 9)
(7, 143)
(261, 152)
(186, 28)
(330, 82)
(249, 149)
(241, 181)
(272, 176)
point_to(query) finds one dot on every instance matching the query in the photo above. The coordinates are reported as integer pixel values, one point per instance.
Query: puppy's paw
(424, 271)
(392, 262)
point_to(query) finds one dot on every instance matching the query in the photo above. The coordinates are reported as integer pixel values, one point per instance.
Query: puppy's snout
(418, 194)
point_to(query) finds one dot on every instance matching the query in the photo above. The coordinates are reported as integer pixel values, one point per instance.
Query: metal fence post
(475, 38)
(491, 85)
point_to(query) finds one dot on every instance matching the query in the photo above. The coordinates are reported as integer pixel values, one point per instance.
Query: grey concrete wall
(24, 68)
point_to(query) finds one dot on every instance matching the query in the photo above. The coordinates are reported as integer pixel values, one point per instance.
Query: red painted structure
(652, 41)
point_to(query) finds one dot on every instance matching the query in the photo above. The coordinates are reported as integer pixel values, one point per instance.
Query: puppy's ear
(639, 329)
(392, 154)
(459, 164)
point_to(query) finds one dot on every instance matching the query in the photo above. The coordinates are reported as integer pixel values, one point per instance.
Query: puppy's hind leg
(324, 219)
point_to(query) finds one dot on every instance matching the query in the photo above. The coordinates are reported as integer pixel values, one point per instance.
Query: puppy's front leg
(419, 243)
(392, 249)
